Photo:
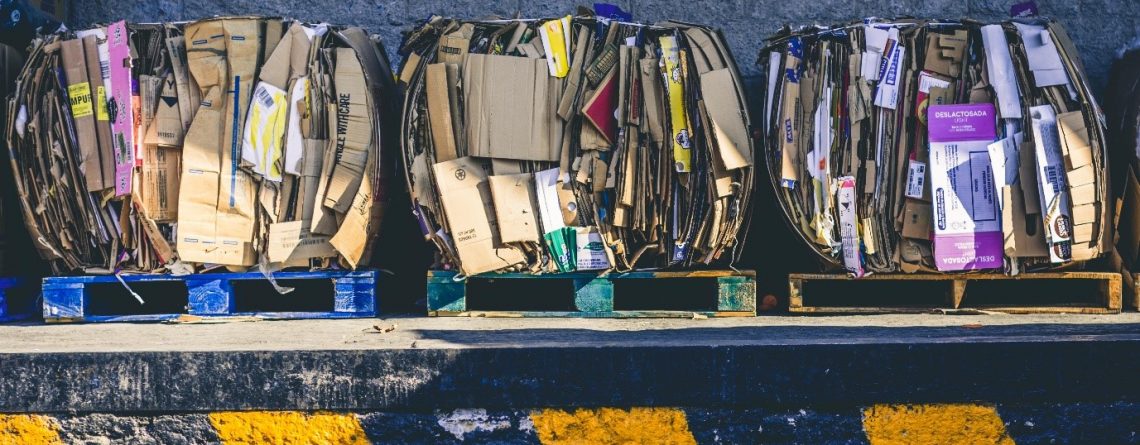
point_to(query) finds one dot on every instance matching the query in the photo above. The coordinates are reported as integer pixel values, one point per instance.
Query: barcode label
(265, 98)
(916, 179)
(105, 68)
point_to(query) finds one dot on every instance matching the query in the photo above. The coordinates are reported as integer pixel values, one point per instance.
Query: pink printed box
(967, 221)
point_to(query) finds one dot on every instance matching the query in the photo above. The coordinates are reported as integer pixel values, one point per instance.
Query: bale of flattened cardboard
(575, 143)
(232, 142)
(914, 145)
(1122, 111)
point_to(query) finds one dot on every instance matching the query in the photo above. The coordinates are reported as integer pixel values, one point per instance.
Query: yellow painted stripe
(612, 425)
(28, 429)
(934, 424)
(286, 428)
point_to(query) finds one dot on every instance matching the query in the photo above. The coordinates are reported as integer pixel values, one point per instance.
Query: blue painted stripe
(776, 426)
(450, 427)
(1075, 423)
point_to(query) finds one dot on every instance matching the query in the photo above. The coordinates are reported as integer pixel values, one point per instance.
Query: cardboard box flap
(1082, 176)
(574, 79)
(275, 71)
(653, 99)
(354, 238)
(1083, 233)
(726, 111)
(1083, 194)
(1024, 235)
(291, 242)
(546, 193)
(514, 199)
(599, 108)
(411, 63)
(453, 47)
(1027, 177)
(168, 117)
(439, 113)
(1074, 139)
(1085, 214)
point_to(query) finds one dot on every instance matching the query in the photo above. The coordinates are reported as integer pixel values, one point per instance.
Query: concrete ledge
(729, 364)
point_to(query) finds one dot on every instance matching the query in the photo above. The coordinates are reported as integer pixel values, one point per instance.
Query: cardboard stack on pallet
(937, 146)
(177, 147)
(1122, 110)
(581, 143)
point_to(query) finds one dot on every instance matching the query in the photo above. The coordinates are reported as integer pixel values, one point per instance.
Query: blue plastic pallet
(67, 299)
(15, 306)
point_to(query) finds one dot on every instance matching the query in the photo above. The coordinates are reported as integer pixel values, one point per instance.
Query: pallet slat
(1107, 292)
(594, 294)
(1134, 297)
(68, 299)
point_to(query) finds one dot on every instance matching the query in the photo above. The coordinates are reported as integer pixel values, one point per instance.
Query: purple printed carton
(967, 220)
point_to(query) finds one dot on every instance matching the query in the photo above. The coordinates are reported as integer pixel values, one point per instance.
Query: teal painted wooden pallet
(641, 294)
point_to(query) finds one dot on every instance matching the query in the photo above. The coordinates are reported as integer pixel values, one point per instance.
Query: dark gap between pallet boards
(160, 297)
(1060, 292)
(312, 295)
(23, 299)
(520, 294)
(665, 294)
(869, 293)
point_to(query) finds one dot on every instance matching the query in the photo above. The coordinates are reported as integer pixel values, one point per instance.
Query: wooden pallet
(590, 294)
(17, 300)
(1134, 298)
(102, 298)
(1027, 293)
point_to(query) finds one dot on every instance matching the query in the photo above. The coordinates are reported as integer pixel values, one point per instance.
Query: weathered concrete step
(709, 365)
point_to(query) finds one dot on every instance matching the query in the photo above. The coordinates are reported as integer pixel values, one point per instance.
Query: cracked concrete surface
(461, 332)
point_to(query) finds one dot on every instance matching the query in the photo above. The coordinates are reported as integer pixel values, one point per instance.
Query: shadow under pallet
(1027, 293)
(639, 294)
(316, 294)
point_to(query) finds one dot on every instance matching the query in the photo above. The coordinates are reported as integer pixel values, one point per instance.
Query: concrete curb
(914, 371)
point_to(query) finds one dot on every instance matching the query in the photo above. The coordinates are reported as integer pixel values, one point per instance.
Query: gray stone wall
(1099, 27)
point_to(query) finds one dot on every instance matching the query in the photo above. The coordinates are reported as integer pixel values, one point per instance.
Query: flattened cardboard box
(511, 108)
(353, 132)
(353, 240)
(967, 231)
(466, 199)
(96, 50)
(217, 202)
(161, 174)
(82, 111)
